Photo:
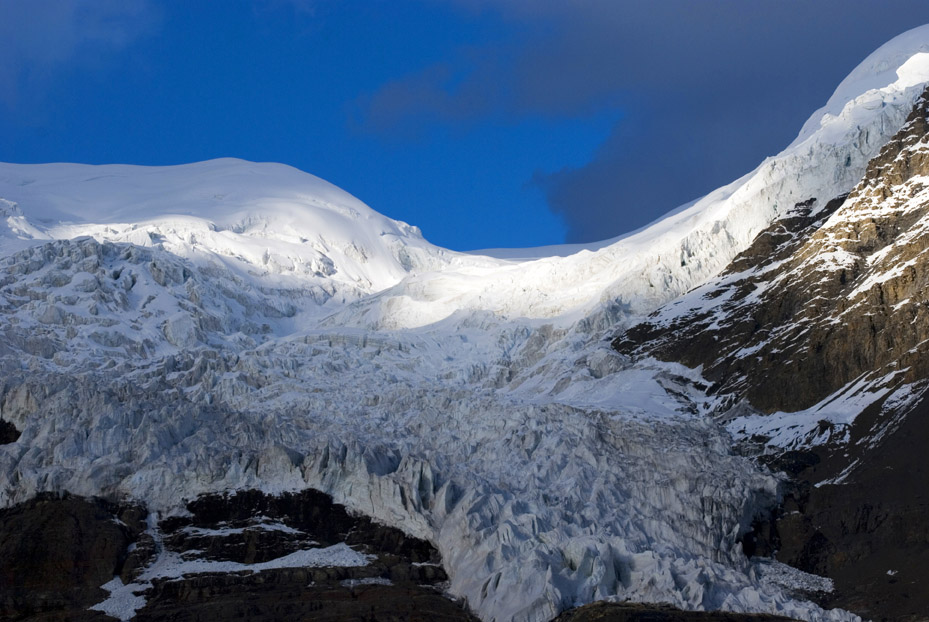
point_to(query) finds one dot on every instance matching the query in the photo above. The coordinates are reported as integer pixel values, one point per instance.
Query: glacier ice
(171, 331)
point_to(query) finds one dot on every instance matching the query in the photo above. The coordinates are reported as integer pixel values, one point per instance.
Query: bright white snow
(234, 324)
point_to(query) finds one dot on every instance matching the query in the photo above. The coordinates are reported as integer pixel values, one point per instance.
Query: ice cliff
(171, 331)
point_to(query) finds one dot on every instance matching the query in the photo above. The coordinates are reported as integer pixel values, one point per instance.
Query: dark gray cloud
(706, 90)
(41, 37)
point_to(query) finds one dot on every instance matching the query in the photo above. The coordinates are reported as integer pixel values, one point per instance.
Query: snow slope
(291, 229)
(645, 269)
(274, 220)
(228, 324)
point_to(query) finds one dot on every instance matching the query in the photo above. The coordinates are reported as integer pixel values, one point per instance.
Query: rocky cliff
(833, 293)
(170, 332)
(814, 341)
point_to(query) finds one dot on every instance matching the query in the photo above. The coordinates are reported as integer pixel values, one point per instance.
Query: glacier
(172, 331)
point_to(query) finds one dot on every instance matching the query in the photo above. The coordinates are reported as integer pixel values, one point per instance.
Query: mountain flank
(830, 294)
(319, 411)
(828, 311)
(56, 552)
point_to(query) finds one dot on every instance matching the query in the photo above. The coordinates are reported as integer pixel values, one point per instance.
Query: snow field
(237, 325)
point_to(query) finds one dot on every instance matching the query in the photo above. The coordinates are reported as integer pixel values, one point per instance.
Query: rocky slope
(231, 557)
(869, 533)
(56, 553)
(828, 295)
(172, 332)
(826, 317)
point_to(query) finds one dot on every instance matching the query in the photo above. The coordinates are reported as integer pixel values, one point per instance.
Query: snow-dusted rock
(171, 331)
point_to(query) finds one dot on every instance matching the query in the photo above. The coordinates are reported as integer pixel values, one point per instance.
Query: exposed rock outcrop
(869, 533)
(830, 295)
(830, 303)
(57, 552)
(8, 432)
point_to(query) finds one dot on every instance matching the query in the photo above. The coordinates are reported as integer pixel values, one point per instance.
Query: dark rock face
(293, 594)
(644, 612)
(870, 534)
(56, 552)
(822, 298)
(8, 432)
(403, 580)
(311, 512)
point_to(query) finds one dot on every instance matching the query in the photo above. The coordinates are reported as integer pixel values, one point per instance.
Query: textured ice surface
(232, 325)
(534, 507)
(547, 472)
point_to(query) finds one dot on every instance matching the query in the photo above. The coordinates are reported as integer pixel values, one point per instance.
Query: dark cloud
(706, 89)
(41, 37)
(443, 92)
(662, 158)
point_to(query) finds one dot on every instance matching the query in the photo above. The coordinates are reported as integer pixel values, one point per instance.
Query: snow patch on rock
(236, 325)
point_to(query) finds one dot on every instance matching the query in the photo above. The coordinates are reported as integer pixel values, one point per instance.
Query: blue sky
(487, 123)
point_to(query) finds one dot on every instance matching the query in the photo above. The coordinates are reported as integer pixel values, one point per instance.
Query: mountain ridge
(641, 270)
(829, 301)
(474, 402)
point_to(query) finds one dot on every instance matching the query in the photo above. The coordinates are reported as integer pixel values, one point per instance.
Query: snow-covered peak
(291, 229)
(899, 64)
(220, 190)
(261, 219)
(636, 273)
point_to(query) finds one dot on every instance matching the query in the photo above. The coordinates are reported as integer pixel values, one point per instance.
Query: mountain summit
(247, 382)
